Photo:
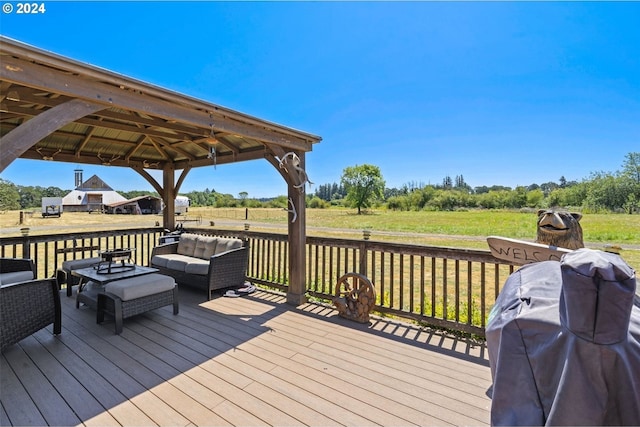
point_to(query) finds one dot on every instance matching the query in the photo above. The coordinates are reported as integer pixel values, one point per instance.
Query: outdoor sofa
(207, 262)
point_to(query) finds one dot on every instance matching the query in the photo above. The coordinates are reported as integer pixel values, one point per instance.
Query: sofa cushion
(162, 260)
(16, 276)
(159, 260)
(205, 247)
(187, 244)
(197, 266)
(140, 286)
(226, 244)
(179, 262)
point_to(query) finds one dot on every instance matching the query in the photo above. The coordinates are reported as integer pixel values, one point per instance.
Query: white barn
(90, 195)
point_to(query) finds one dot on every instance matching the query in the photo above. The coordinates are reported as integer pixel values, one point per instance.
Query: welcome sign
(521, 252)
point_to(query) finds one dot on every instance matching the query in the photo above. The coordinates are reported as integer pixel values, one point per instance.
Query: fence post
(363, 258)
(26, 245)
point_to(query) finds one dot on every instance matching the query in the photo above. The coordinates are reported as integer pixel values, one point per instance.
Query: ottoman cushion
(140, 286)
(76, 264)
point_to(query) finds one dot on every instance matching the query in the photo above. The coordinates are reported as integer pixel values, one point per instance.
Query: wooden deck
(245, 361)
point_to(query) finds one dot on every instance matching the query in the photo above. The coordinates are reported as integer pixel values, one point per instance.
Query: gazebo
(57, 109)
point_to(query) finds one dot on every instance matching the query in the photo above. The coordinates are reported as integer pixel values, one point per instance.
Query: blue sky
(503, 93)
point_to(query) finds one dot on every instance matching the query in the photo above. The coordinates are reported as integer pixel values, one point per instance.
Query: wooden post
(26, 246)
(363, 258)
(296, 293)
(169, 197)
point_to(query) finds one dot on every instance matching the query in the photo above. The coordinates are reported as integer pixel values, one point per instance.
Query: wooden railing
(444, 287)
(49, 251)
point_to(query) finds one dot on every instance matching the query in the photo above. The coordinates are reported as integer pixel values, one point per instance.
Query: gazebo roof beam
(15, 48)
(49, 79)
(100, 122)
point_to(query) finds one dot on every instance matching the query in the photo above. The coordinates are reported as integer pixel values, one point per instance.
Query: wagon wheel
(357, 288)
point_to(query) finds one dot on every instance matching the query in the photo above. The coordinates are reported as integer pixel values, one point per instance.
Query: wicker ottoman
(64, 273)
(136, 295)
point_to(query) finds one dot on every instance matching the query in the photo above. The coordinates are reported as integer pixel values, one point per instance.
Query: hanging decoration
(295, 164)
(47, 156)
(212, 148)
(292, 210)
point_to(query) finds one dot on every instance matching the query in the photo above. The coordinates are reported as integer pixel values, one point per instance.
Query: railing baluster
(391, 267)
(457, 289)
(433, 287)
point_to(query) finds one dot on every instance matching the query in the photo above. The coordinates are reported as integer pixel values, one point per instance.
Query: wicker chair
(26, 307)
(16, 270)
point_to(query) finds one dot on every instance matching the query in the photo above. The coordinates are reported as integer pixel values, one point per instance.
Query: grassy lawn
(467, 229)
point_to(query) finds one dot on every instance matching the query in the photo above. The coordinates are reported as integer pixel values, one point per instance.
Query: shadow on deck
(252, 360)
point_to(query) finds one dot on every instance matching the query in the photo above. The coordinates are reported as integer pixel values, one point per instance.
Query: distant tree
(243, 198)
(323, 192)
(226, 201)
(137, 193)
(632, 204)
(461, 185)
(338, 191)
(499, 188)
(54, 192)
(535, 198)
(630, 177)
(575, 194)
(605, 192)
(412, 186)
(330, 192)
(548, 187)
(318, 203)
(398, 203)
(364, 185)
(420, 198)
(444, 200)
(394, 192)
(9, 196)
(631, 167)
(563, 182)
(30, 196)
(278, 202)
(447, 183)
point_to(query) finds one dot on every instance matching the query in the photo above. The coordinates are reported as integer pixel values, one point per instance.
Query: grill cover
(564, 343)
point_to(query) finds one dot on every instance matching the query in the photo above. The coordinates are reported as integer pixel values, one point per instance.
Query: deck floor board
(245, 361)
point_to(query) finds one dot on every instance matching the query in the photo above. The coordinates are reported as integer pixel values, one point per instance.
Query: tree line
(362, 187)
(601, 192)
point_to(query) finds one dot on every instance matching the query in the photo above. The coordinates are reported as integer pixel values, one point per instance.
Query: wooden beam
(222, 159)
(135, 125)
(168, 145)
(181, 179)
(168, 194)
(87, 136)
(146, 175)
(139, 143)
(20, 139)
(69, 66)
(49, 79)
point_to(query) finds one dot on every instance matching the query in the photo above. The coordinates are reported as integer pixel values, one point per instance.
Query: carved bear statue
(560, 228)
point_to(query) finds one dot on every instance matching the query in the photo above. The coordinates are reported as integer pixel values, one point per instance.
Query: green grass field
(464, 229)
